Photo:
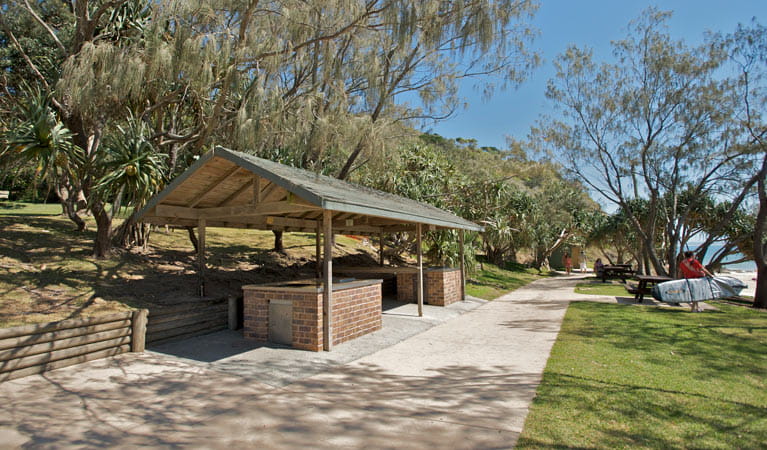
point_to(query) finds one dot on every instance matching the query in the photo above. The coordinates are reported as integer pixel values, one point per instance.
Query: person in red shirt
(690, 267)
(568, 263)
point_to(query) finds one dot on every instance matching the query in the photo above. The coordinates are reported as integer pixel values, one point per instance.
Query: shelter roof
(233, 189)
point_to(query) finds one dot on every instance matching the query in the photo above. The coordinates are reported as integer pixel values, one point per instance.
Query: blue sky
(592, 23)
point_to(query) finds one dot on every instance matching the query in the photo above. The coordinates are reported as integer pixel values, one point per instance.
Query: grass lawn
(596, 287)
(29, 209)
(648, 377)
(492, 281)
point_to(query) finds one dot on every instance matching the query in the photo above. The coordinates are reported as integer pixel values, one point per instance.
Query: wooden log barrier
(36, 348)
(138, 330)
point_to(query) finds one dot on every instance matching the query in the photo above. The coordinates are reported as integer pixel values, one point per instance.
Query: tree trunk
(193, 239)
(760, 297)
(69, 207)
(278, 247)
(130, 233)
(760, 227)
(103, 243)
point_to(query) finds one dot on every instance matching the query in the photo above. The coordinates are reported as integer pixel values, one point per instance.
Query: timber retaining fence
(36, 348)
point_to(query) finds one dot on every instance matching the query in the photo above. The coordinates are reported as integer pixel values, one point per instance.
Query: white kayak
(697, 289)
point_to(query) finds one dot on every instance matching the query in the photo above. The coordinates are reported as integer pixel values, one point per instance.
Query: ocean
(746, 266)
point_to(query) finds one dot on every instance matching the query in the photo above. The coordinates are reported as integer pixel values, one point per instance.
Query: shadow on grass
(609, 414)
(54, 266)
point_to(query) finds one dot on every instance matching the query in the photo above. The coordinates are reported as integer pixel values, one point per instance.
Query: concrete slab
(275, 365)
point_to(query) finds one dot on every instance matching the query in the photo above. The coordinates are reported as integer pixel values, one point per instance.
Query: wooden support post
(463, 265)
(420, 270)
(327, 291)
(138, 330)
(380, 249)
(201, 255)
(318, 250)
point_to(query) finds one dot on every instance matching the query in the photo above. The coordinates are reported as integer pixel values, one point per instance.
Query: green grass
(492, 281)
(648, 377)
(596, 287)
(29, 209)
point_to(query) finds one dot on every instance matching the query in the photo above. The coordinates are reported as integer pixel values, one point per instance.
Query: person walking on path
(690, 267)
(568, 263)
(583, 261)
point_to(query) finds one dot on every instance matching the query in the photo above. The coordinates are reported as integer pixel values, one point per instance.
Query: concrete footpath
(466, 382)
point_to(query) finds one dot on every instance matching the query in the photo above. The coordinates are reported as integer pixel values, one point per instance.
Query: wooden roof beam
(211, 186)
(265, 208)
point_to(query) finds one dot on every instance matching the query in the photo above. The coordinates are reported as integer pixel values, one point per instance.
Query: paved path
(466, 383)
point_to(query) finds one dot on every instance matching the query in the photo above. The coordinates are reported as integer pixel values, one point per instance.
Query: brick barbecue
(356, 311)
(441, 286)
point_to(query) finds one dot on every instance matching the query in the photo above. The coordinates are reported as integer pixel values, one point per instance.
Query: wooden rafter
(227, 201)
(212, 185)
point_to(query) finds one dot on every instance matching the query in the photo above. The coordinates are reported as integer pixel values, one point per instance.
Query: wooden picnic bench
(622, 271)
(644, 287)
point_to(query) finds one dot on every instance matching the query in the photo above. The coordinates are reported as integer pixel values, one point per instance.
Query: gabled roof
(233, 189)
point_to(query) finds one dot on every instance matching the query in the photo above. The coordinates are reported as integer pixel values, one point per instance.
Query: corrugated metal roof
(330, 193)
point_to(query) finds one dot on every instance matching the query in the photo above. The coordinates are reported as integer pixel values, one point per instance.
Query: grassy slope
(650, 377)
(492, 281)
(47, 273)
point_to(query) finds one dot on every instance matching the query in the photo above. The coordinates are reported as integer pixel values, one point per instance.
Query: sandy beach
(747, 277)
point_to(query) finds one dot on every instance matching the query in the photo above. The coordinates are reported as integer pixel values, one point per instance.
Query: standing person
(690, 267)
(583, 261)
(568, 263)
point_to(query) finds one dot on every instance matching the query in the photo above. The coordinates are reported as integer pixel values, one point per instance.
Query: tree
(314, 78)
(652, 125)
(39, 137)
(747, 49)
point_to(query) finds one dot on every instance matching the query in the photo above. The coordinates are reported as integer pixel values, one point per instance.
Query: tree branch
(46, 26)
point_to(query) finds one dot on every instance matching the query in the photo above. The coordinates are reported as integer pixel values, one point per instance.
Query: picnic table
(646, 282)
(622, 271)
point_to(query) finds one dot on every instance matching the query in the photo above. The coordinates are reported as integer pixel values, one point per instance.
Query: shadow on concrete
(143, 400)
(212, 347)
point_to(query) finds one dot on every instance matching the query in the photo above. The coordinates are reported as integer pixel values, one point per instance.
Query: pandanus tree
(40, 138)
(133, 170)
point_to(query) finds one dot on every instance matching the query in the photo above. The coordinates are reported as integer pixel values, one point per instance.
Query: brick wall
(356, 312)
(441, 286)
(255, 315)
(308, 333)
(407, 284)
(306, 318)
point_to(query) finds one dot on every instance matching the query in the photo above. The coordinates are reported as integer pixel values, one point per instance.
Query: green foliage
(40, 138)
(422, 173)
(132, 167)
